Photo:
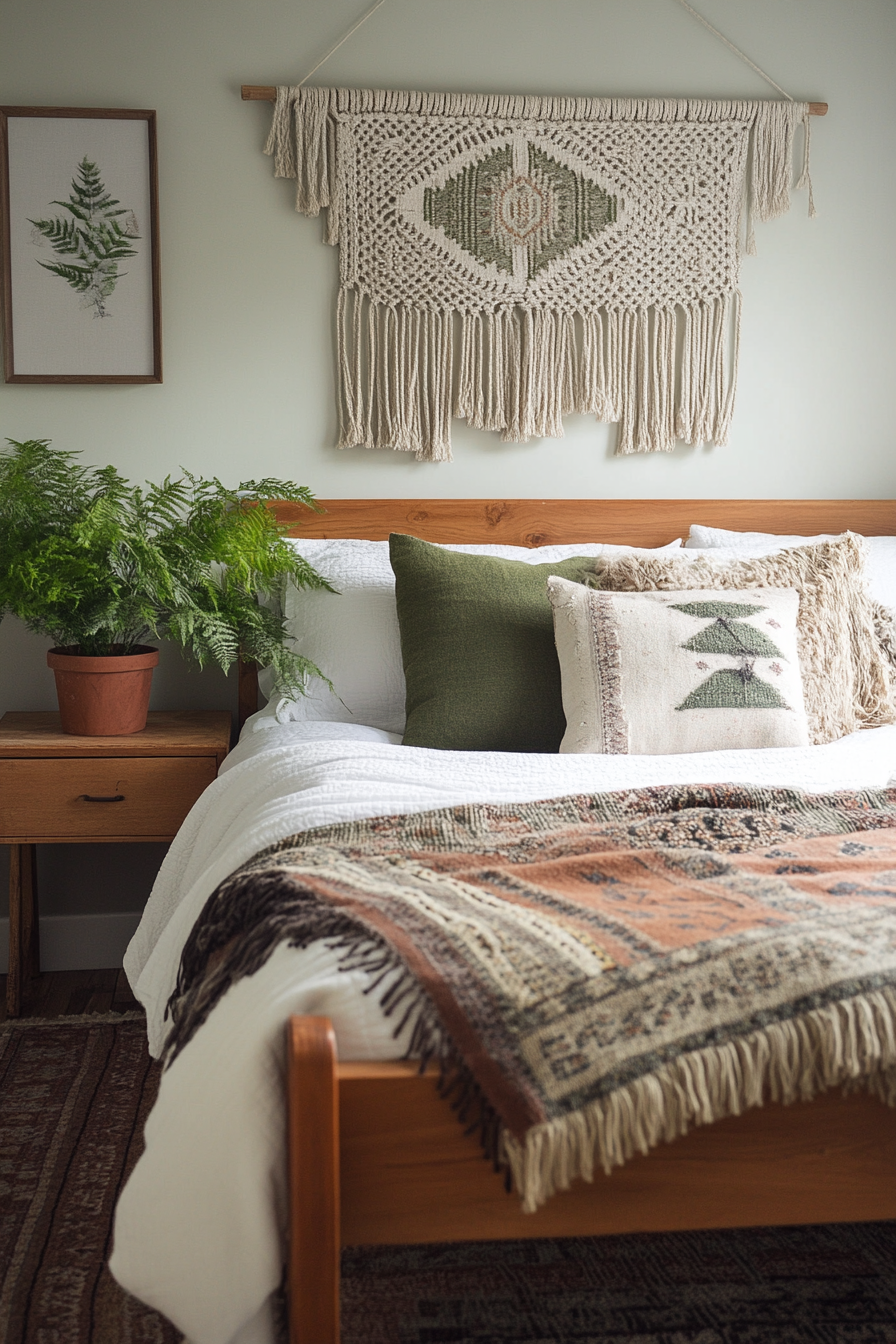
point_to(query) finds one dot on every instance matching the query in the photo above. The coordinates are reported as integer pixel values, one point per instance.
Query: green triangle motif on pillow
(735, 637)
(734, 688)
(729, 633)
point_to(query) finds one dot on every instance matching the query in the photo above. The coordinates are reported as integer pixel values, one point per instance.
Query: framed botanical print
(79, 232)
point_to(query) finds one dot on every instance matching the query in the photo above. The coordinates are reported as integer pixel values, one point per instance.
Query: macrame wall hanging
(509, 260)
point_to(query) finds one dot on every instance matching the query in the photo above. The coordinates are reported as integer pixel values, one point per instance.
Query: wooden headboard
(543, 522)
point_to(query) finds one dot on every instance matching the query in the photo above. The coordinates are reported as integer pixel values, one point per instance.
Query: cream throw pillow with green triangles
(846, 682)
(659, 673)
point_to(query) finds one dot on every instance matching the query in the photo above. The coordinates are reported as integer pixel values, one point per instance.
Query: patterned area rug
(799, 1285)
(74, 1094)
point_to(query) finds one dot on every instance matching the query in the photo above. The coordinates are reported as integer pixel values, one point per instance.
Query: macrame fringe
(301, 144)
(395, 378)
(771, 151)
(851, 1043)
(665, 374)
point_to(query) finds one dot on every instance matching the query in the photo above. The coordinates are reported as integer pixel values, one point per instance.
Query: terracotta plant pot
(103, 697)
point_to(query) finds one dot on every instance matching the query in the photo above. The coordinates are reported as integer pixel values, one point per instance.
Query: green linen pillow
(477, 643)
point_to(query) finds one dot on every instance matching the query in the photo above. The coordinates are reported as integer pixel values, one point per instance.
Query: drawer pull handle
(93, 798)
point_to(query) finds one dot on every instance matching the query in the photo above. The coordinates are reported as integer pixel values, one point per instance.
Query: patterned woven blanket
(595, 973)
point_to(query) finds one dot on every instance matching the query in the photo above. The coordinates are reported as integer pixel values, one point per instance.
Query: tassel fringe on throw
(850, 1044)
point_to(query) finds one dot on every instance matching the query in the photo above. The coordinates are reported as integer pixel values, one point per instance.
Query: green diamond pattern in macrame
(489, 209)
(731, 687)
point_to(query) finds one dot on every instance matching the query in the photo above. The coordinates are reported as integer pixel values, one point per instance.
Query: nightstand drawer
(72, 797)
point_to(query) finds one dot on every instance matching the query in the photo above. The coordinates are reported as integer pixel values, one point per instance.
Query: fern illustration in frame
(80, 245)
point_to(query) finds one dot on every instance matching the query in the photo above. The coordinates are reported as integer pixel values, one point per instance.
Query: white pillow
(659, 673)
(881, 553)
(354, 637)
(706, 538)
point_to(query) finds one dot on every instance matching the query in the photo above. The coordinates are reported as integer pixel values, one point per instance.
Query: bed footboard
(408, 1173)
(314, 1234)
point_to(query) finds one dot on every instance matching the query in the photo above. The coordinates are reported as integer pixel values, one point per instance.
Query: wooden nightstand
(59, 789)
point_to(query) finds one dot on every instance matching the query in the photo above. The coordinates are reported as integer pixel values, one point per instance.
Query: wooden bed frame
(376, 1157)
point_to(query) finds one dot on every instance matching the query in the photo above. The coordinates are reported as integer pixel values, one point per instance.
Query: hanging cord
(731, 47)
(354, 28)
(684, 4)
(804, 178)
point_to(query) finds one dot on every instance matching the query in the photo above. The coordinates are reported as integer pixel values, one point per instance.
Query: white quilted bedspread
(199, 1227)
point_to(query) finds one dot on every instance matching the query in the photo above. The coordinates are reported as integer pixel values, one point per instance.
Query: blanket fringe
(850, 1043)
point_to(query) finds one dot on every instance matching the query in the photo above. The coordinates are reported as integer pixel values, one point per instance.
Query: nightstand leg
(30, 912)
(24, 933)
(14, 979)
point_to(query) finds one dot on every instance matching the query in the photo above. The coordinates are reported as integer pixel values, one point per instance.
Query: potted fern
(99, 566)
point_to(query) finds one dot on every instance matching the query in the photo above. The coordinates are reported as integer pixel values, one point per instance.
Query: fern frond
(79, 277)
(62, 233)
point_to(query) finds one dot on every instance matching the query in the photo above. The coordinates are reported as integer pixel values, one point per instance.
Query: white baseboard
(78, 942)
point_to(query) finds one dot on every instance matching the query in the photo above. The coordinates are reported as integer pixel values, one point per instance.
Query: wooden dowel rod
(266, 93)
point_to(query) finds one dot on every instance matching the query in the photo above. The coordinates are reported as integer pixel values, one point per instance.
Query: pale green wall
(248, 287)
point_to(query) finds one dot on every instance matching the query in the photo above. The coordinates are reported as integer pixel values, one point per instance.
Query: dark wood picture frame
(152, 370)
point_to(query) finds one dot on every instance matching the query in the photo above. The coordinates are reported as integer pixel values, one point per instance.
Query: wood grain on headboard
(543, 522)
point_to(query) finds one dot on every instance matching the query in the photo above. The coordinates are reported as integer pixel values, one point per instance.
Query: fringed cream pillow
(845, 679)
(659, 673)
